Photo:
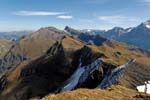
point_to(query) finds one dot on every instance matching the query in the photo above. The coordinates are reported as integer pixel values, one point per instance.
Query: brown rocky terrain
(47, 58)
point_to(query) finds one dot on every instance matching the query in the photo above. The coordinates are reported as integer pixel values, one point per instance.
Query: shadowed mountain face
(138, 36)
(30, 47)
(116, 32)
(51, 61)
(96, 39)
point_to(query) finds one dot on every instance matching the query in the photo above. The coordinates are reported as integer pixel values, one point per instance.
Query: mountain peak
(50, 28)
(147, 21)
(48, 32)
(147, 24)
(71, 30)
(118, 28)
(67, 28)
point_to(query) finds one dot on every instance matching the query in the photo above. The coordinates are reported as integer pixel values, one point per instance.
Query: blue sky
(80, 14)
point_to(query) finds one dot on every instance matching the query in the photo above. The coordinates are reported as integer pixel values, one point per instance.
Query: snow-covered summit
(147, 24)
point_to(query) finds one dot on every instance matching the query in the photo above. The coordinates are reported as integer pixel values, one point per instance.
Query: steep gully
(83, 72)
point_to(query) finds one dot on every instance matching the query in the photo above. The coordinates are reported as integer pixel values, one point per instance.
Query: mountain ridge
(41, 73)
(132, 35)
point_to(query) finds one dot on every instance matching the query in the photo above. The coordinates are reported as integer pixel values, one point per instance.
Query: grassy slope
(110, 48)
(112, 93)
(5, 44)
(37, 43)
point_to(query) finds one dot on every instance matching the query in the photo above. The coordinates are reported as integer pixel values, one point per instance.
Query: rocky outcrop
(3, 83)
(81, 75)
(53, 53)
(112, 76)
(11, 59)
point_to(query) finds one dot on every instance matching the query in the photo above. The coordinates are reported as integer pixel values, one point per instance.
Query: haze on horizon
(80, 14)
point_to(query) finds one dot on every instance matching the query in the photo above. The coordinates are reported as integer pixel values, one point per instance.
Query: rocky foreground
(111, 93)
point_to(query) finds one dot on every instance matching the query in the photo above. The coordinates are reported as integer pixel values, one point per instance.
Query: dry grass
(112, 93)
(109, 48)
(71, 44)
(5, 44)
(144, 60)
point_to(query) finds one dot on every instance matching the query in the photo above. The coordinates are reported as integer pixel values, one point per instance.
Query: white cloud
(64, 17)
(146, 1)
(116, 19)
(37, 13)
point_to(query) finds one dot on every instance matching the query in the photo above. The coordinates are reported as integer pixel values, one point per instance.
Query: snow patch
(144, 88)
(129, 30)
(73, 81)
(81, 74)
(89, 30)
(148, 26)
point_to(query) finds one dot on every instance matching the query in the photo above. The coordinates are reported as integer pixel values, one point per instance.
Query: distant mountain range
(138, 36)
(14, 34)
(89, 36)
